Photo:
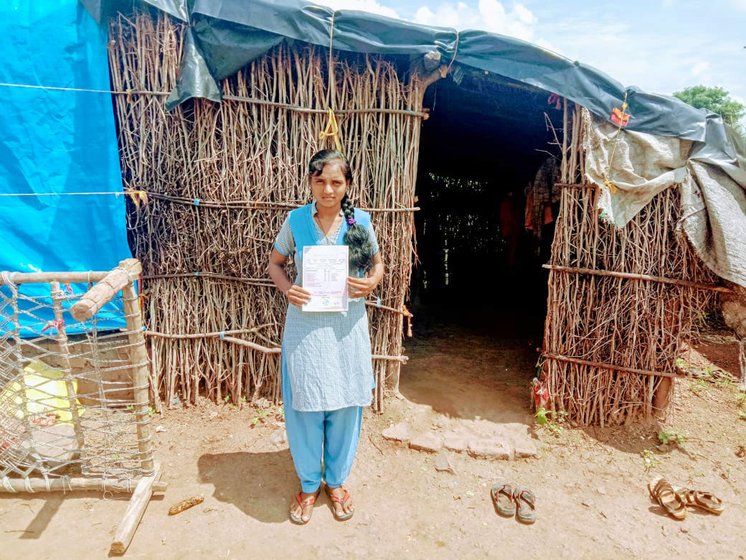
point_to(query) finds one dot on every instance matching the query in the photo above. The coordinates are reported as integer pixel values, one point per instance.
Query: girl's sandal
(308, 502)
(344, 516)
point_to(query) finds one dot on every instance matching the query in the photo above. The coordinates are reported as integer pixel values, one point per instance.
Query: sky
(661, 46)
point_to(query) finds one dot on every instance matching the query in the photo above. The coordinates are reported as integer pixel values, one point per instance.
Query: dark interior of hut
(485, 225)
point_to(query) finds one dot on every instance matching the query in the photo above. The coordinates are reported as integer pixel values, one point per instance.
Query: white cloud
(371, 6)
(700, 67)
(487, 15)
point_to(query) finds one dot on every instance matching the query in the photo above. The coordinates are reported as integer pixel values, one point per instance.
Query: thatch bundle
(220, 179)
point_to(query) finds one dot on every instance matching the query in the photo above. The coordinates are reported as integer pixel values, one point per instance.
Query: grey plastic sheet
(713, 189)
(225, 35)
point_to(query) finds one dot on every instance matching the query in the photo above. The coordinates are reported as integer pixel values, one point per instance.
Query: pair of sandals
(675, 501)
(298, 519)
(516, 501)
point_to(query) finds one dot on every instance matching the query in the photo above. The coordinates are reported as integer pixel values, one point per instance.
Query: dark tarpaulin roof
(225, 35)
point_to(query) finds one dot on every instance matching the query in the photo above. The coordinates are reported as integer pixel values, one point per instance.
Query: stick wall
(220, 180)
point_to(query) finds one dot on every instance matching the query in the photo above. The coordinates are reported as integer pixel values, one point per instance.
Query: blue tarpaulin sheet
(57, 142)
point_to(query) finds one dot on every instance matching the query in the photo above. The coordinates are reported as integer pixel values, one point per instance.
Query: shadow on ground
(50, 507)
(258, 484)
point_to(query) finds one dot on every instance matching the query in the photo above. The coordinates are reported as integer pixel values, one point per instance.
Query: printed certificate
(325, 271)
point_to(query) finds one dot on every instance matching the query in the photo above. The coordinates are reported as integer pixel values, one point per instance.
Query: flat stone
(490, 448)
(525, 449)
(397, 432)
(443, 464)
(280, 437)
(456, 442)
(427, 442)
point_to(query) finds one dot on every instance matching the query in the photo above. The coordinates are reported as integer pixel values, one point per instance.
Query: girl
(327, 372)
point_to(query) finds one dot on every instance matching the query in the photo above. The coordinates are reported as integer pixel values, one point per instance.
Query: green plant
(724, 381)
(552, 424)
(669, 436)
(698, 385)
(541, 416)
(742, 414)
(260, 417)
(682, 364)
(650, 461)
(227, 398)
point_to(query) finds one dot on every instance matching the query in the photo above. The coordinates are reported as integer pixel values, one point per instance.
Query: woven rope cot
(74, 408)
(220, 178)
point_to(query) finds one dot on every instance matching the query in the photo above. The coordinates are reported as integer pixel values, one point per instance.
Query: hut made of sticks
(220, 106)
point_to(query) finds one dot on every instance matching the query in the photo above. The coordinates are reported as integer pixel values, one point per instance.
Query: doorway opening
(486, 175)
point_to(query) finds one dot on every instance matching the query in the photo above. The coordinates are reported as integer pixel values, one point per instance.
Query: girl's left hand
(360, 287)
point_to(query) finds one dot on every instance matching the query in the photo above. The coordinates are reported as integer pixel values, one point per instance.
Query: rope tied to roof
(621, 120)
(332, 127)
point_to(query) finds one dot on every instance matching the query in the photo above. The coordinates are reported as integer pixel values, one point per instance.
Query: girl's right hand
(297, 295)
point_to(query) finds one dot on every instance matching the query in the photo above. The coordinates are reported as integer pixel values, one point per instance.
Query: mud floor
(590, 483)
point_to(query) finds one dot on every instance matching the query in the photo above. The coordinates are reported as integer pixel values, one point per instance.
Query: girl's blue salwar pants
(323, 444)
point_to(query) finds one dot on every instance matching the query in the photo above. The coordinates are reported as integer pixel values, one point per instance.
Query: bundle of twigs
(620, 304)
(220, 180)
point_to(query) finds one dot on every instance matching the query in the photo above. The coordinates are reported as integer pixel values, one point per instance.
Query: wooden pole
(135, 510)
(46, 277)
(139, 359)
(72, 394)
(634, 276)
(105, 290)
(601, 365)
(64, 484)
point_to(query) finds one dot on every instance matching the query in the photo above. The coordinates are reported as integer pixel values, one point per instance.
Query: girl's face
(330, 186)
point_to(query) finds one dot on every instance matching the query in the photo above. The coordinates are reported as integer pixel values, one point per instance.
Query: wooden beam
(135, 510)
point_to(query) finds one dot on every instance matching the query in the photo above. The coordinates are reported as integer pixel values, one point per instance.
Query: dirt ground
(590, 483)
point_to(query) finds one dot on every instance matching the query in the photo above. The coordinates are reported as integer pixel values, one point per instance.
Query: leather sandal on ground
(343, 516)
(308, 502)
(502, 499)
(662, 492)
(705, 501)
(526, 505)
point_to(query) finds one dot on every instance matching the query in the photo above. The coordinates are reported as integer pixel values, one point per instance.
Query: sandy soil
(590, 483)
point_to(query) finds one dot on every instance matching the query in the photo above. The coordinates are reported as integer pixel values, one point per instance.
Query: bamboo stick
(139, 357)
(47, 277)
(64, 353)
(68, 484)
(106, 289)
(621, 369)
(135, 510)
(633, 276)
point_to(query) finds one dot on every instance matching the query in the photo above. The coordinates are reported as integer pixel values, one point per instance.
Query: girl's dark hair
(357, 237)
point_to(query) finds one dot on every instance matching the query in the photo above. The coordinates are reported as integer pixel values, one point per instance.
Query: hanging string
(84, 90)
(331, 82)
(332, 127)
(623, 118)
(331, 130)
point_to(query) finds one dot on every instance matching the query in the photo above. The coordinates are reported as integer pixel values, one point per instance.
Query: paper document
(325, 271)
